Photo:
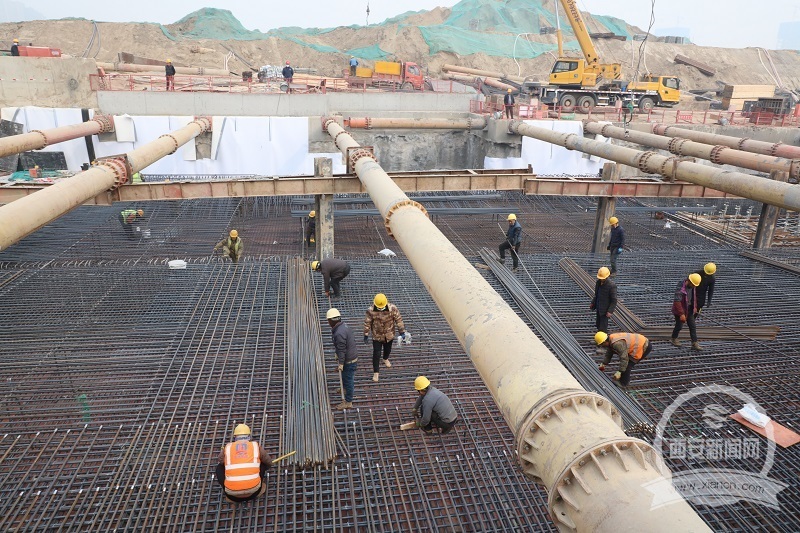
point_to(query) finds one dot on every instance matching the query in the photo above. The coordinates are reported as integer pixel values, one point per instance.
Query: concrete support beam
(606, 205)
(769, 217)
(323, 204)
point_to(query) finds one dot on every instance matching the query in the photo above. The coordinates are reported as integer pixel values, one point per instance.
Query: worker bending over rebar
(629, 347)
(232, 246)
(433, 409)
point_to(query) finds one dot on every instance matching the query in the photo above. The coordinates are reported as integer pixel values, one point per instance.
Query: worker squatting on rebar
(604, 302)
(616, 242)
(381, 321)
(127, 218)
(242, 466)
(629, 347)
(685, 309)
(232, 246)
(333, 272)
(344, 343)
(311, 228)
(512, 242)
(433, 410)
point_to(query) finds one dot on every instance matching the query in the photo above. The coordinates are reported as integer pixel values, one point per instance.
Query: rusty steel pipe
(568, 439)
(38, 139)
(720, 155)
(24, 216)
(468, 123)
(478, 72)
(190, 71)
(760, 189)
(740, 143)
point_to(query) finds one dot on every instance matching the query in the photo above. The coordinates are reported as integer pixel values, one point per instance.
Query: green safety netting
(211, 23)
(614, 24)
(373, 52)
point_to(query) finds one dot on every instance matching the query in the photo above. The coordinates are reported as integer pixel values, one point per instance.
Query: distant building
(789, 35)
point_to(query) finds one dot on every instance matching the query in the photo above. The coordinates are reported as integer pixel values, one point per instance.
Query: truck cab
(413, 74)
(667, 87)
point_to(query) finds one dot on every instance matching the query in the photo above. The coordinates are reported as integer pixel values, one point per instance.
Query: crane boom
(573, 14)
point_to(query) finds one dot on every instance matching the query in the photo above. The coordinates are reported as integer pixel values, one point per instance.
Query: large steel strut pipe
(740, 143)
(38, 139)
(191, 71)
(744, 185)
(721, 155)
(478, 72)
(468, 123)
(26, 215)
(568, 439)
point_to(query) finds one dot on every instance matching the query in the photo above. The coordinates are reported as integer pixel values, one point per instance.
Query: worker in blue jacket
(512, 242)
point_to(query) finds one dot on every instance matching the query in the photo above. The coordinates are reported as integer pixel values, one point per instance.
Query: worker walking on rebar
(232, 246)
(242, 466)
(344, 343)
(127, 218)
(684, 308)
(512, 242)
(433, 409)
(629, 347)
(616, 243)
(508, 103)
(169, 70)
(381, 321)
(705, 291)
(311, 228)
(605, 299)
(333, 272)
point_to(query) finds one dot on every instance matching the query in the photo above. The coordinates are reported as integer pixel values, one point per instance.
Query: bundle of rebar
(770, 261)
(628, 321)
(308, 420)
(567, 348)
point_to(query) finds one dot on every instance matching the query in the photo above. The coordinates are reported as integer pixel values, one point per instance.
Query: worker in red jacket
(685, 308)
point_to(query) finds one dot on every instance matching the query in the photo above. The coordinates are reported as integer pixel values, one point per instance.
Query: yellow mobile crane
(588, 83)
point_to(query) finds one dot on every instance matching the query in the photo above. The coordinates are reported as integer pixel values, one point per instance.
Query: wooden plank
(782, 436)
(705, 68)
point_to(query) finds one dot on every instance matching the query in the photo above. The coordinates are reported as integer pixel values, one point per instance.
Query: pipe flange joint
(716, 153)
(668, 168)
(513, 126)
(120, 168)
(44, 137)
(534, 427)
(661, 129)
(396, 207)
(627, 453)
(604, 128)
(367, 123)
(568, 139)
(106, 123)
(336, 138)
(174, 141)
(326, 121)
(641, 161)
(675, 144)
(357, 154)
(775, 148)
(741, 142)
(205, 123)
(469, 122)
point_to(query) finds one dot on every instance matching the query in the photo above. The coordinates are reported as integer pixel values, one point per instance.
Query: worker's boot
(375, 376)
(387, 363)
(675, 342)
(696, 346)
(344, 405)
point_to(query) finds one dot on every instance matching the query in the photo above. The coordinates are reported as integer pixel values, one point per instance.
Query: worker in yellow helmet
(232, 246)
(605, 299)
(242, 466)
(311, 228)
(616, 243)
(170, 73)
(629, 347)
(333, 272)
(344, 344)
(705, 291)
(508, 103)
(512, 242)
(381, 321)
(15, 48)
(433, 409)
(684, 308)
(128, 219)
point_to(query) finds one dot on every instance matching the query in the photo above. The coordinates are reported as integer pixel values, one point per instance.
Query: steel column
(768, 218)
(606, 206)
(323, 203)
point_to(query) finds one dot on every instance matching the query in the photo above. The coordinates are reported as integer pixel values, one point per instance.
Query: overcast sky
(729, 23)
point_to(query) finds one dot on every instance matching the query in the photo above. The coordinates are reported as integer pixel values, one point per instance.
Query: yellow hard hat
(234, 234)
(613, 220)
(421, 383)
(140, 212)
(603, 273)
(333, 313)
(241, 429)
(512, 216)
(694, 279)
(380, 300)
(16, 40)
(169, 61)
(710, 269)
(312, 214)
(314, 265)
(600, 337)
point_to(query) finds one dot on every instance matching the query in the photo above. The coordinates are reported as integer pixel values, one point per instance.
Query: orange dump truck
(396, 75)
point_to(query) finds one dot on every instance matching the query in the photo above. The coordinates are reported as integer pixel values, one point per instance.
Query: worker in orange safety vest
(242, 467)
(629, 347)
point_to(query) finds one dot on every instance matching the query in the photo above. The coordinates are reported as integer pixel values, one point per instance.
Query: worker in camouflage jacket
(381, 321)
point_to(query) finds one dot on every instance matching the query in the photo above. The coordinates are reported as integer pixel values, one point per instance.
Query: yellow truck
(403, 75)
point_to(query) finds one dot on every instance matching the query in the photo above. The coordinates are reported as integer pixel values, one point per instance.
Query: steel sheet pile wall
(308, 422)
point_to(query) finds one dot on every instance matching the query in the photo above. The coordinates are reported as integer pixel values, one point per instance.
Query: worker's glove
(619, 250)
(617, 375)
(608, 315)
(340, 368)
(602, 367)
(415, 413)
(366, 339)
(328, 294)
(682, 318)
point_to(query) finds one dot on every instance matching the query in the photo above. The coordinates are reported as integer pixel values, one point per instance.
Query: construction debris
(705, 68)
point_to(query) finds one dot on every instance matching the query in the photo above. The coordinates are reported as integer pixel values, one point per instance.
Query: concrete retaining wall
(46, 82)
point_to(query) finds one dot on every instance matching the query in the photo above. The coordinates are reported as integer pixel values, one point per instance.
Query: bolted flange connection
(398, 206)
(106, 123)
(121, 168)
(44, 137)
(174, 141)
